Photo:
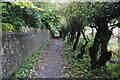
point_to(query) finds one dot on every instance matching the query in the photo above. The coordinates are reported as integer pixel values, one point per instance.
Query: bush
(6, 27)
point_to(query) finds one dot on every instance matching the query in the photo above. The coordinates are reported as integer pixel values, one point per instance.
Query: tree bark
(82, 49)
(72, 36)
(102, 38)
(105, 54)
(94, 50)
(76, 41)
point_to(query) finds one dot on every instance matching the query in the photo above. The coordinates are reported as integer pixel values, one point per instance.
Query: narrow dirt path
(51, 63)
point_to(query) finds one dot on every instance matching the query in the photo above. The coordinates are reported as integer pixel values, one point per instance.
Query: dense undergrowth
(19, 16)
(25, 69)
(80, 68)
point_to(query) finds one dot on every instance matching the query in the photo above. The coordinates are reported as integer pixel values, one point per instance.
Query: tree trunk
(105, 54)
(94, 50)
(76, 41)
(72, 36)
(92, 32)
(82, 49)
(102, 38)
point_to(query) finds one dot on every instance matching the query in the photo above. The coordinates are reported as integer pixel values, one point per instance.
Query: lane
(51, 63)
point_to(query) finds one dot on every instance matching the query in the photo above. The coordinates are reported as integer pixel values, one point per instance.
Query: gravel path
(51, 63)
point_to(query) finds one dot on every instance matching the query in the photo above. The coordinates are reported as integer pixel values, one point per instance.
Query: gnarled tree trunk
(82, 49)
(94, 50)
(102, 38)
(76, 41)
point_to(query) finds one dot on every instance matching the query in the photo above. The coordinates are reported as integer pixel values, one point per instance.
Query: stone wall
(16, 47)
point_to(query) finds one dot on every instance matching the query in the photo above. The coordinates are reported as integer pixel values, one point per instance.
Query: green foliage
(115, 69)
(22, 14)
(82, 12)
(31, 14)
(6, 27)
(51, 19)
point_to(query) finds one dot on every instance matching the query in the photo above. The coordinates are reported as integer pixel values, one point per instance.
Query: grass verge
(80, 68)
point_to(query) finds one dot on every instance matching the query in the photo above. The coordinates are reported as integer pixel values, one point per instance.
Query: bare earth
(51, 63)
